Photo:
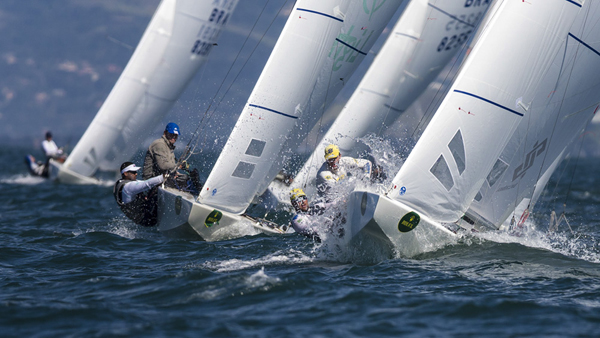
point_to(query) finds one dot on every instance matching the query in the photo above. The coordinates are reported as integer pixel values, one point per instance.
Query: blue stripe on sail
(323, 14)
(490, 102)
(347, 45)
(273, 111)
(408, 36)
(585, 44)
(450, 15)
(574, 3)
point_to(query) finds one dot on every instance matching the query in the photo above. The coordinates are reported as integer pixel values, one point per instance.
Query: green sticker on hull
(213, 218)
(408, 222)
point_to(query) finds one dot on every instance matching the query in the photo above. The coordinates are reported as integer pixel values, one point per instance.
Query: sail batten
(488, 101)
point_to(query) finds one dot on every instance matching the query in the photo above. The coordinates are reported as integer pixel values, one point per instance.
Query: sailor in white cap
(130, 195)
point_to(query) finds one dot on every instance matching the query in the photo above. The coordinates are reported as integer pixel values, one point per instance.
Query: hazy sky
(60, 58)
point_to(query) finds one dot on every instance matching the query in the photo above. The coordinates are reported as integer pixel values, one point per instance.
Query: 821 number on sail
(217, 17)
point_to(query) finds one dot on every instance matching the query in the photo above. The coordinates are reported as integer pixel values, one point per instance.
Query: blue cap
(172, 128)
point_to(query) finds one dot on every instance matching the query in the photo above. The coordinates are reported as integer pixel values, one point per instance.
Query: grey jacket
(160, 158)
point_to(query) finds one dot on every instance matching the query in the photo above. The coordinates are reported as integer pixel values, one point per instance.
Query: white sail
(320, 46)
(486, 103)
(175, 44)
(492, 94)
(425, 38)
(564, 105)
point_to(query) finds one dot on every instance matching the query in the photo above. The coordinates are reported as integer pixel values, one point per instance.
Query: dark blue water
(72, 265)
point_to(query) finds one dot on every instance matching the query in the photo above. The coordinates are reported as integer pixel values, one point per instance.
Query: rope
(195, 139)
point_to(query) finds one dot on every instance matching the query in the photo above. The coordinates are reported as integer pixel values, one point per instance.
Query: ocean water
(72, 265)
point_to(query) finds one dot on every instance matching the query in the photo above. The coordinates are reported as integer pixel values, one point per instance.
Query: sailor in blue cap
(160, 159)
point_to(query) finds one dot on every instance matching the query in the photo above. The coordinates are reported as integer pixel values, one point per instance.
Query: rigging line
(244, 65)
(475, 35)
(563, 100)
(560, 175)
(196, 136)
(574, 169)
(437, 97)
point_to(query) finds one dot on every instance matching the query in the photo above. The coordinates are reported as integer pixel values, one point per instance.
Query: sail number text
(208, 33)
(453, 41)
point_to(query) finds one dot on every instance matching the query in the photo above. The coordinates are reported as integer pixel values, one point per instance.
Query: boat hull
(394, 225)
(59, 173)
(180, 216)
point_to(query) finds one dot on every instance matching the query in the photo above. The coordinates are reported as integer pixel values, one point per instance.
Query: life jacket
(140, 210)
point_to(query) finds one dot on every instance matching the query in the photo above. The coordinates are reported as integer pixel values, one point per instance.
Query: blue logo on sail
(214, 192)
(402, 191)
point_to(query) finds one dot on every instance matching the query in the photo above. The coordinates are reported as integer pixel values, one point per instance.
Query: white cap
(131, 167)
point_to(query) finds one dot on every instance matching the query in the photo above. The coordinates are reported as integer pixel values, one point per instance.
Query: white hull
(180, 216)
(59, 173)
(377, 218)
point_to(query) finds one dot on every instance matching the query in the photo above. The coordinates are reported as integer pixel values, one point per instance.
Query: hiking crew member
(130, 195)
(337, 168)
(302, 222)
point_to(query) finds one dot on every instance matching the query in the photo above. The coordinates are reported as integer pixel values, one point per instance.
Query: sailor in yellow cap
(301, 221)
(337, 168)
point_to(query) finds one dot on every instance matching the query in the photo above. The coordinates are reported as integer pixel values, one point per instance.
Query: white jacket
(347, 167)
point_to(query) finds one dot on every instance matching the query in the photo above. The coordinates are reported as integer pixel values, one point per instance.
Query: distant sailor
(337, 168)
(130, 195)
(160, 159)
(36, 168)
(302, 222)
(51, 150)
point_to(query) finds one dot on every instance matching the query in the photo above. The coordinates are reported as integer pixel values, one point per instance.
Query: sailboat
(175, 44)
(425, 38)
(499, 85)
(320, 46)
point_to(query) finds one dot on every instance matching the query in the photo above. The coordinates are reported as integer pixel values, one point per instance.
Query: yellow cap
(331, 151)
(296, 193)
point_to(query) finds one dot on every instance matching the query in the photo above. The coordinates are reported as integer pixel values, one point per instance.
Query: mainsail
(319, 48)
(565, 103)
(493, 93)
(175, 44)
(490, 96)
(425, 38)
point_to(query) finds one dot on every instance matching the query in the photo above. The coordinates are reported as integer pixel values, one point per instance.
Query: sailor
(337, 168)
(51, 150)
(36, 168)
(302, 222)
(160, 159)
(130, 195)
